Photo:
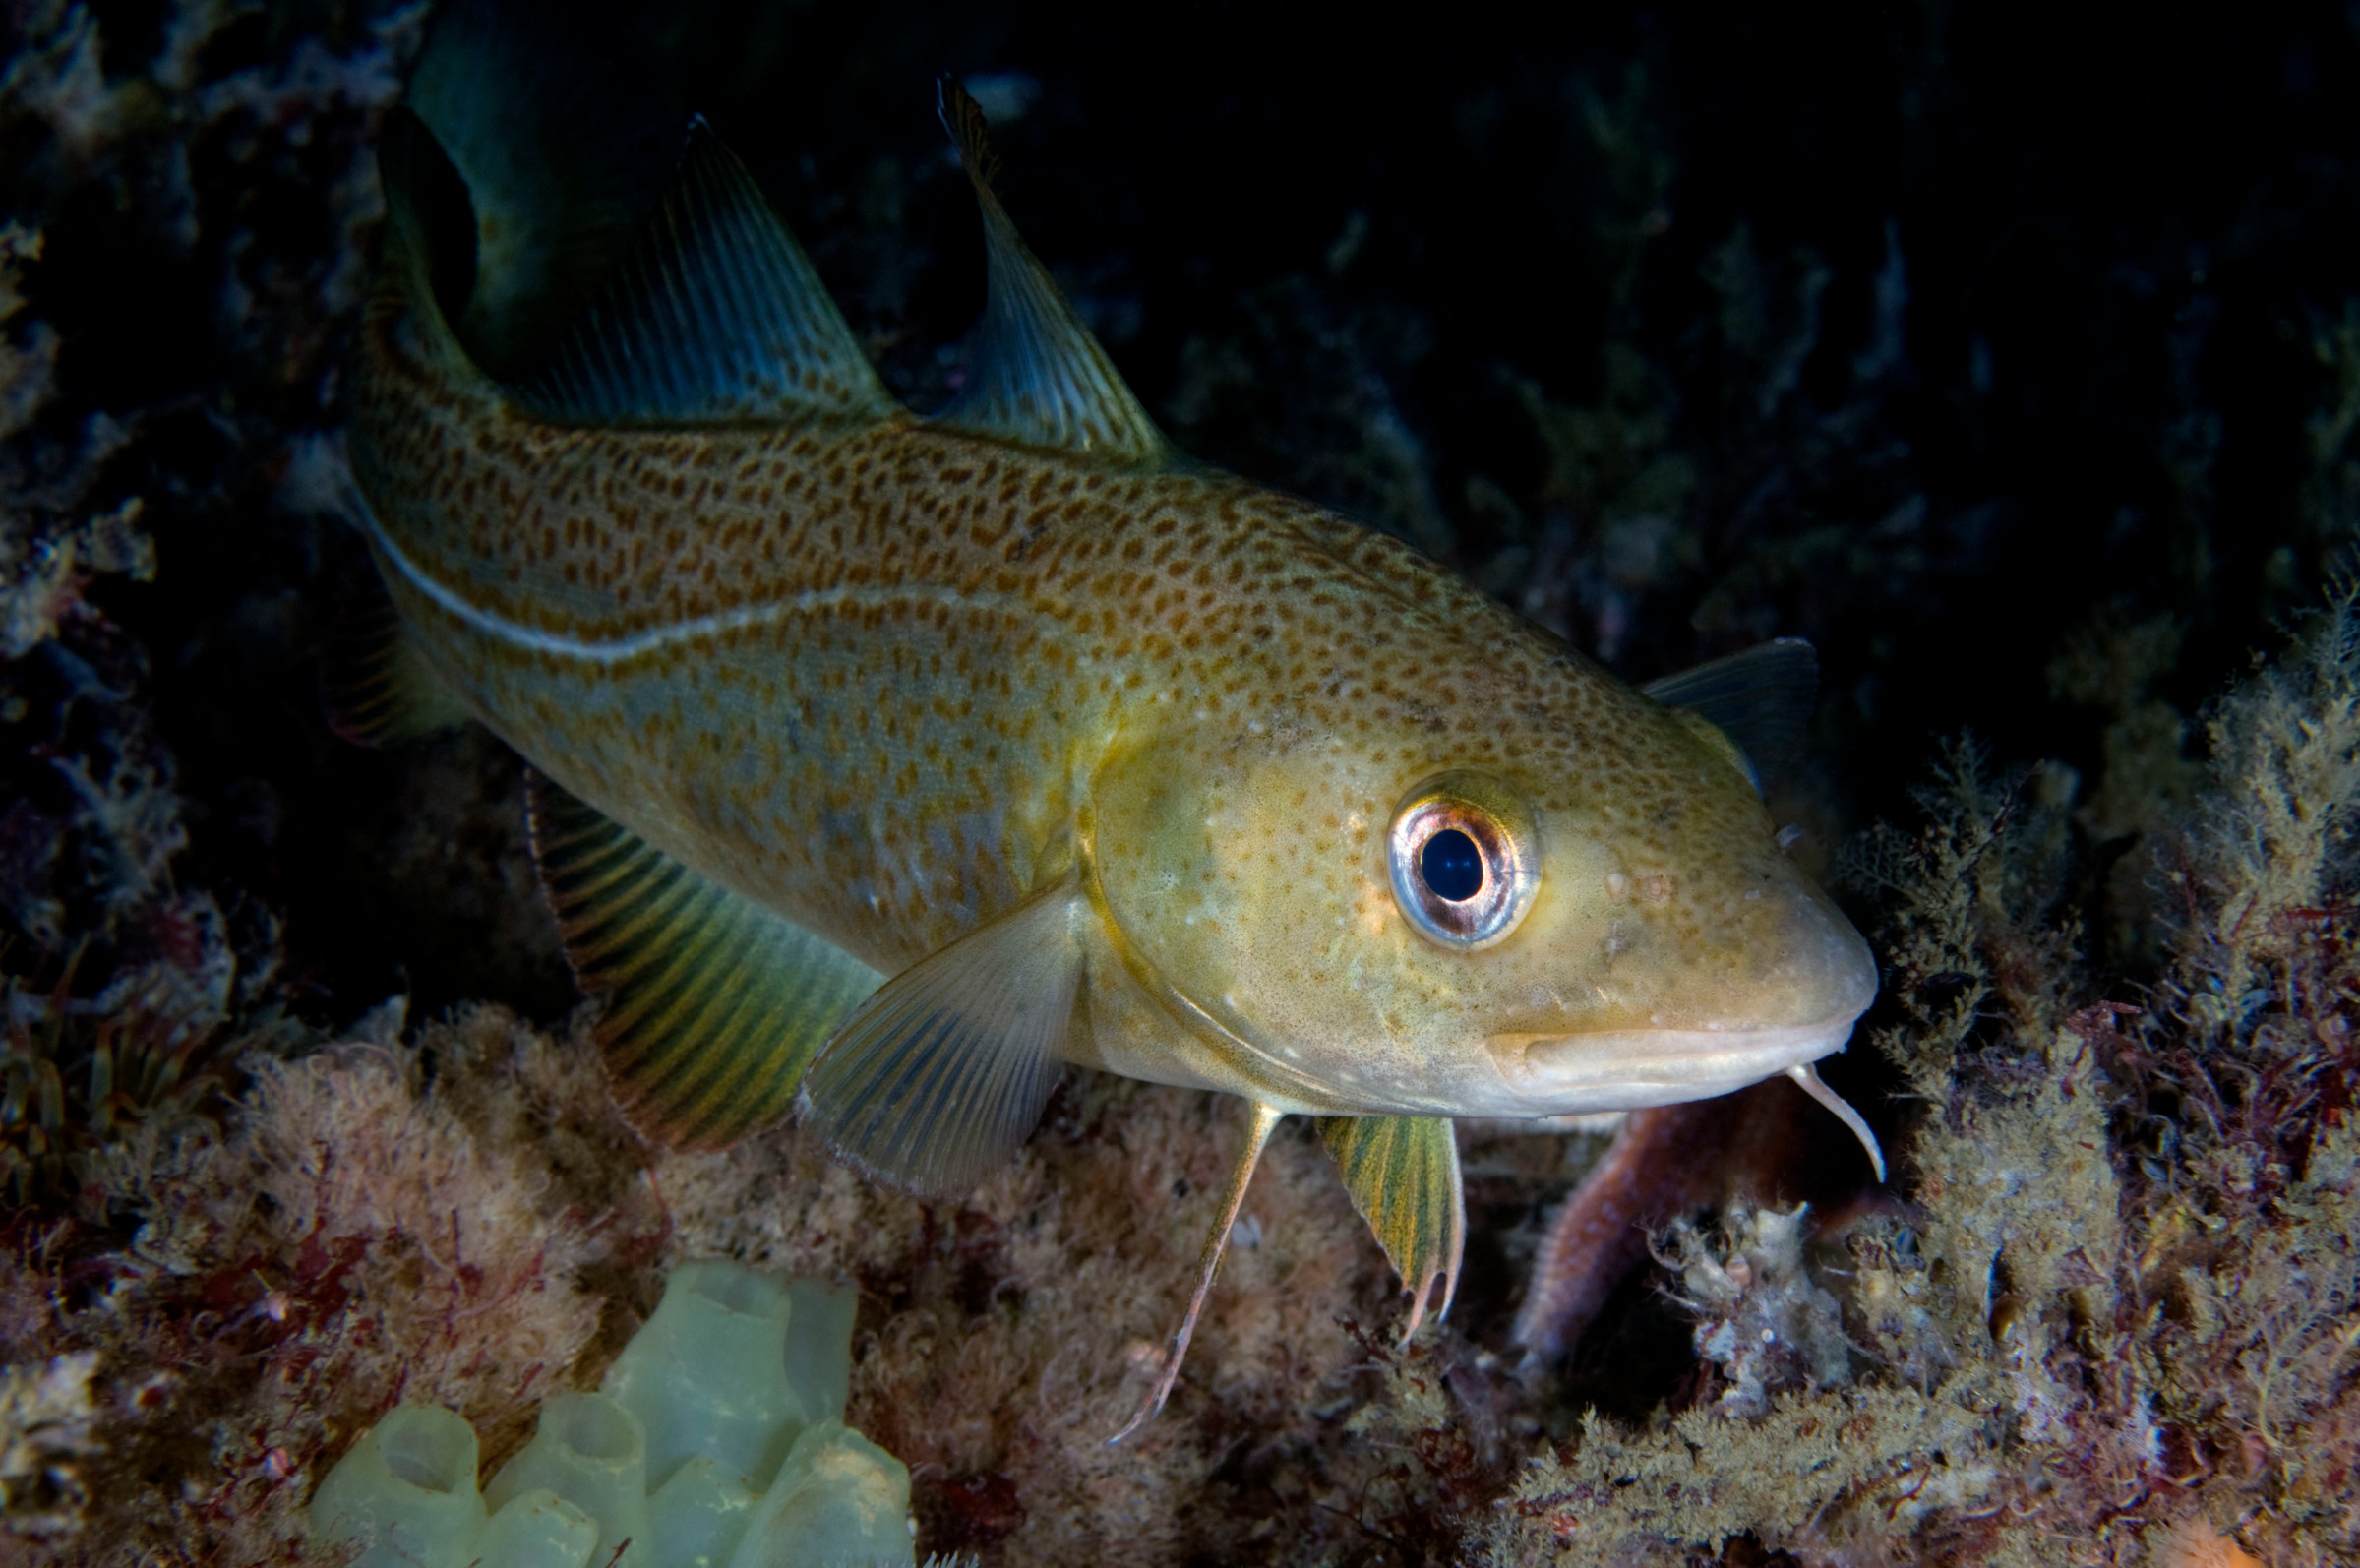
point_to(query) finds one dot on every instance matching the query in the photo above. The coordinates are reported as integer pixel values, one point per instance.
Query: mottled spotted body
(869, 676)
(1088, 753)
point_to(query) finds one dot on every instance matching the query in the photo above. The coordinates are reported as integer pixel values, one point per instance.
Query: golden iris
(1465, 859)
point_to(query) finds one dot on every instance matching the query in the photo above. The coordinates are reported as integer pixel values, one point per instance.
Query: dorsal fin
(1040, 378)
(1760, 698)
(429, 264)
(714, 313)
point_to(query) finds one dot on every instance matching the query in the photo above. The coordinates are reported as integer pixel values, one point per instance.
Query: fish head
(1519, 908)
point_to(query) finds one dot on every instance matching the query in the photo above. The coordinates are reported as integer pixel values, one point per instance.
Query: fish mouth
(1629, 1070)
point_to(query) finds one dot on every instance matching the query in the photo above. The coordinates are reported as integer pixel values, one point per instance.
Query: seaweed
(2117, 1304)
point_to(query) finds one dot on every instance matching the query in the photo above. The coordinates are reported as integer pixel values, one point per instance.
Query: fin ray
(380, 689)
(1761, 698)
(1808, 1078)
(716, 1005)
(1208, 1263)
(1403, 1175)
(1041, 378)
(941, 1078)
(714, 313)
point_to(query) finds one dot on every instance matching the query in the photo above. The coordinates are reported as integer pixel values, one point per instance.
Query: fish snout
(1818, 967)
(1784, 992)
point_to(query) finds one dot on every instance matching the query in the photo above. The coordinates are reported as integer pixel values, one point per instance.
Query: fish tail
(565, 291)
(429, 261)
(560, 121)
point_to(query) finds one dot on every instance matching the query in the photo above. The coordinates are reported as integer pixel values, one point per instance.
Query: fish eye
(1453, 868)
(1466, 862)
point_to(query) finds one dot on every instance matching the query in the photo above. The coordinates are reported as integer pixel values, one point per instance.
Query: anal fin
(380, 689)
(1403, 1175)
(717, 1004)
(941, 1078)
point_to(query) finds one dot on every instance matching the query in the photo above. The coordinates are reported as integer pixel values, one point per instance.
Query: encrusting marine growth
(717, 1441)
(2116, 1322)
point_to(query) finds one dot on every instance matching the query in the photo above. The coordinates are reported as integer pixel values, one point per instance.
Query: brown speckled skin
(887, 679)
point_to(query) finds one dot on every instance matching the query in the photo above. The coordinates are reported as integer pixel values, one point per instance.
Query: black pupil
(1452, 866)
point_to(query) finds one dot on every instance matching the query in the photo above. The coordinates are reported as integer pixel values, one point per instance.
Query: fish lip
(1580, 1071)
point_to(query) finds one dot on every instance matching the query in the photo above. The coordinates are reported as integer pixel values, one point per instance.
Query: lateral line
(623, 650)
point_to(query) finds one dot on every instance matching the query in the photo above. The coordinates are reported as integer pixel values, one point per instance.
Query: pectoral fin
(717, 1004)
(1403, 1175)
(941, 1078)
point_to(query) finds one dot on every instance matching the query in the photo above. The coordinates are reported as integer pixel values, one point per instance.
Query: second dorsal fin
(714, 313)
(1040, 378)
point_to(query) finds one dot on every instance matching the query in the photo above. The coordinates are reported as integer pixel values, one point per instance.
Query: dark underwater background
(1974, 344)
(2009, 353)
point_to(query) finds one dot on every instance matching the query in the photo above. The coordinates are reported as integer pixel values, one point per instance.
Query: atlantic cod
(891, 764)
